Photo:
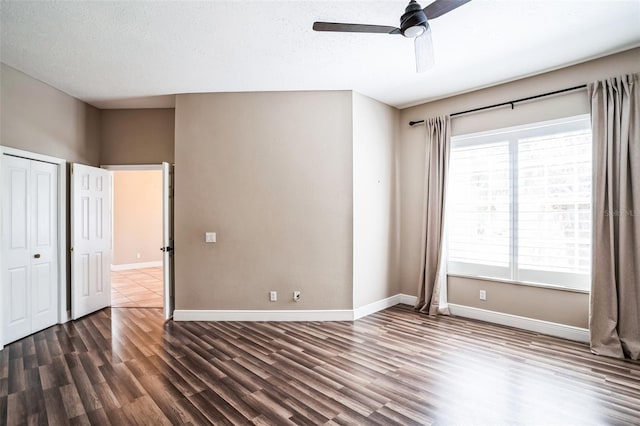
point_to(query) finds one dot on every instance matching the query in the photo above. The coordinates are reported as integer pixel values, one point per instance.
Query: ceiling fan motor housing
(414, 21)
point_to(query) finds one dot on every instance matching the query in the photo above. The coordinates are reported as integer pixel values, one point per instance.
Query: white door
(29, 246)
(90, 239)
(167, 239)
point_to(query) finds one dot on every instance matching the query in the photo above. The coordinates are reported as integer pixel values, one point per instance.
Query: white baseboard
(263, 315)
(539, 326)
(407, 299)
(293, 315)
(140, 265)
(379, 305)
(531, 324)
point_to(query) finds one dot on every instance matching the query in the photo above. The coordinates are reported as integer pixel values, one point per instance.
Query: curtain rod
(512, 103)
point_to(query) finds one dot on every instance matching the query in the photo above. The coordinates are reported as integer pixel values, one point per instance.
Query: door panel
(43, 209)
(43, 255)
(17, 321)
(99, 268)
(167, 239)
(42, 282)
(17, 205)
(83, 273)
(15, 241)
(90, 240)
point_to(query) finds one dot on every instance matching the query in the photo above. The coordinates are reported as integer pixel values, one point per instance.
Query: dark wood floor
(125, 366)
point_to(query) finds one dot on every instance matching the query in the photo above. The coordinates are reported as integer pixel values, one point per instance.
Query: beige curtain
(432, 282)
(614, 319)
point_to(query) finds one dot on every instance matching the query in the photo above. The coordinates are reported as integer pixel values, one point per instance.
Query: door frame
(128, 167)
(63, 258)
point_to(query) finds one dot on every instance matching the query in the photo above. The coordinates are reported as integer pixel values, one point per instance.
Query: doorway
(137, 267)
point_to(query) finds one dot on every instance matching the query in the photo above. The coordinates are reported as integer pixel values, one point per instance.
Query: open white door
(90, 239)
(167, 239)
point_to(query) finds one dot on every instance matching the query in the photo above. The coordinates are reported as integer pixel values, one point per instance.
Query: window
(519, 204)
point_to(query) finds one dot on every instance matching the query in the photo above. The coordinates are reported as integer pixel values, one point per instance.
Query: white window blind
(479, 204)
(519, 204)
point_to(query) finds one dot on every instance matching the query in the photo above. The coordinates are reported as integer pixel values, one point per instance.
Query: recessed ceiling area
(126, 54)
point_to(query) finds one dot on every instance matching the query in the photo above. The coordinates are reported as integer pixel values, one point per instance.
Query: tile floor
(137, 288)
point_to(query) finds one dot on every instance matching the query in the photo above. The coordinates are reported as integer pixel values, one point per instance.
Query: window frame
(512, 273)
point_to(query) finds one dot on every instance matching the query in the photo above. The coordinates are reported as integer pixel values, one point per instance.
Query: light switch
(209, 237)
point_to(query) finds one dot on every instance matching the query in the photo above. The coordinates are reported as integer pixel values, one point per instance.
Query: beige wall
(137, 136)
(137, 216)
(563, 307)
(36, 117)
(531, 302)
(271, 173)
(374, 215)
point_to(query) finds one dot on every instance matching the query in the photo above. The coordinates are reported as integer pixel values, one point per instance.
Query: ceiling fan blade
(354, 28)
(424, 51)
(440, 7)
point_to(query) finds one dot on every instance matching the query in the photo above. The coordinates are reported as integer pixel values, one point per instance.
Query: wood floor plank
(173, 372)
(56, 414)
(303, 413)
(71, 400)
(98, 417)
(169, 399)
(108, 400)
(233, 394)
(307, 397)
(123, 391)
(144, 411)
(86, 390)
(16, 409)
(217, 410)
(127, 366)
(3, 406)
(16, 375)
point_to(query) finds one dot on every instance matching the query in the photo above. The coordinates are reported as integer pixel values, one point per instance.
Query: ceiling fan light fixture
(413, 22)
(415, 31)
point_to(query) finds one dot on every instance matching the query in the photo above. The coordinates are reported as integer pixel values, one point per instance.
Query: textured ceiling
(129, 54)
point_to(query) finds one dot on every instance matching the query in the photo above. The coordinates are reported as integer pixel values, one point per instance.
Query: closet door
(29, 246)
(44, 245)
(15, 248)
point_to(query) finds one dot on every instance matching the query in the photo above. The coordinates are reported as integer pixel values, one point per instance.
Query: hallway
(137, 288)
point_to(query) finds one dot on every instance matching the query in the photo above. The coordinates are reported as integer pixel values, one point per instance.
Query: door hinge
(166, 249)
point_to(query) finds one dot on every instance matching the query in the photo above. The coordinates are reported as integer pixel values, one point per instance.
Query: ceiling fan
(413, 24)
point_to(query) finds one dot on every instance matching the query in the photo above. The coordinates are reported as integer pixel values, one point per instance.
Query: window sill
(527, 284)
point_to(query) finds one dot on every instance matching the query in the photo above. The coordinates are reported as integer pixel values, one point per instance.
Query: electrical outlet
(296, 296)
(273, 296)
(138, 256)
(483, 295)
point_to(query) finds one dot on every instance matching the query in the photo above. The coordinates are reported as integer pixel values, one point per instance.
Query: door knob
(37, 255)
